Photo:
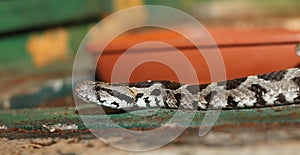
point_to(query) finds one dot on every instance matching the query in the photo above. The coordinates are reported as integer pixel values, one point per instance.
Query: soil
(74, 146)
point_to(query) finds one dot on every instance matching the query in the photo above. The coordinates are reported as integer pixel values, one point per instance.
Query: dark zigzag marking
(280, 99)
(137, 96)
(166, 84)
(194, 89)
(231, 103)
(147, 101)
(178, 97)
(118, 95)
(276, 76)
(259, 91)
(232, 84)
(97, 88)
(116, 104)
(209, 97)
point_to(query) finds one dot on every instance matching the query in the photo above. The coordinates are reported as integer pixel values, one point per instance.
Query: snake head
(114, 96)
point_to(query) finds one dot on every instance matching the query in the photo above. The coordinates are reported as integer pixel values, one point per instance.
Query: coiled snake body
(271, 89)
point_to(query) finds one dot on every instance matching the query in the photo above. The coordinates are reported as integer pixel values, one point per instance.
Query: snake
(255, 91)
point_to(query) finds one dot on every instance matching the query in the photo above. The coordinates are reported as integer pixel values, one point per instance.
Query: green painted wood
(13, 48)
(265, 8)
(27, 14)
(13, 52)
(29, 119)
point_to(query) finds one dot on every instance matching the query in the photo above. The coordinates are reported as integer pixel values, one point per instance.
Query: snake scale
(271, 89)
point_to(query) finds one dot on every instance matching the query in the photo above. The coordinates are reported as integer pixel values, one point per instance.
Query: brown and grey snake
(271, 89)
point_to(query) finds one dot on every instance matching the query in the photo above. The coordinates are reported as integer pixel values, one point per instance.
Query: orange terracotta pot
(244, 52)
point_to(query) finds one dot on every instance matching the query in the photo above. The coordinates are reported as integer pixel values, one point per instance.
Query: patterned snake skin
(272, 89)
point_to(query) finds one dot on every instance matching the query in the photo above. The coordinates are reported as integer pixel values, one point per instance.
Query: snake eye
(97, 88)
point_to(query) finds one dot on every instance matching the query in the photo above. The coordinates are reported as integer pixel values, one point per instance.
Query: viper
(264, 90)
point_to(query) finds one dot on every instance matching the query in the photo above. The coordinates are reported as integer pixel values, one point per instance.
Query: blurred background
(39, 38)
